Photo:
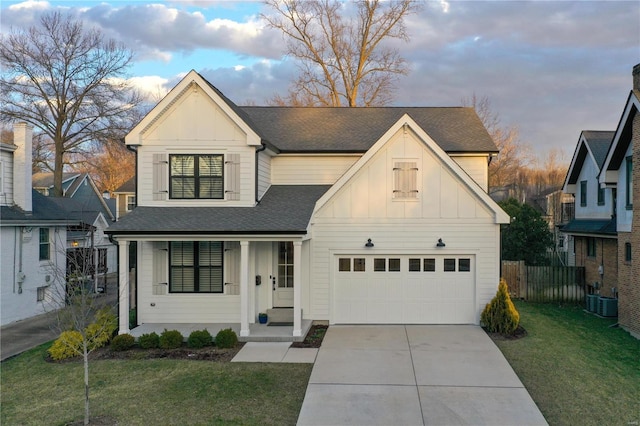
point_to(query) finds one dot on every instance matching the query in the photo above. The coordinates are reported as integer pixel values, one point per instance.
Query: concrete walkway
(414, 375)
(21, 336)
(275, 352)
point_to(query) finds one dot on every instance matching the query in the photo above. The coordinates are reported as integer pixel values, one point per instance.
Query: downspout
(258, 150)
(132, 148)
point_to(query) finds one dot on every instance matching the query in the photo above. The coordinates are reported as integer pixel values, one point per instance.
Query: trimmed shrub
(122, 342)
(67, 345)
(500, 315)
(171, 339)
(226, 338)
(149, 341)
(199, 339)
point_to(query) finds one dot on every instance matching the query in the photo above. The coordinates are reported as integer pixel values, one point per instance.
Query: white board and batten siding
(476, 166)
(194, 124)
(364, 207)
(158, 305)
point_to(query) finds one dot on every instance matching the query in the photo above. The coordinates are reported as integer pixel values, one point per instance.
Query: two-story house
(618, 175)
(592, 233)
(125, 196)
(345, 215)
(33, 237)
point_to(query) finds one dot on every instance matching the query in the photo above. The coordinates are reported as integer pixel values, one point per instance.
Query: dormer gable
(592, 147)
(621, 141)
(218, 117)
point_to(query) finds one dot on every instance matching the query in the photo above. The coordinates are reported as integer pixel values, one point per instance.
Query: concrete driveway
(414, 375)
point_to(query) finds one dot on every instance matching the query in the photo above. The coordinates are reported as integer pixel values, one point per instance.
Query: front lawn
(152, 391)
(577, 368)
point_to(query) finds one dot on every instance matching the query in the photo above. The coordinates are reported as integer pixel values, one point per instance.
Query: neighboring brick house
(592, 234)
(618, 175)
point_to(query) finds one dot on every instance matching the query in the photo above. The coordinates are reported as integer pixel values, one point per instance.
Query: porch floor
(257, 332)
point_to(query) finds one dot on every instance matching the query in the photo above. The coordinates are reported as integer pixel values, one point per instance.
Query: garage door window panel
(449, 265)
(414, 265)
(464, 265)
(394, 265)
(429, 265)
(379, 265)
(344, 264)
(359, 264)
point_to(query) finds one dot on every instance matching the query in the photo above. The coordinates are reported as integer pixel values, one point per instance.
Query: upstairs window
(591, 247)
(196, 176)
(131, 202)
(583, 193)
(405, 180)
(629, 176)
(627, 252)
(600, 196)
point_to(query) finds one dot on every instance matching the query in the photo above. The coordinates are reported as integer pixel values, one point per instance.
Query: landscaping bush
(67, 345)
(99, 332)
(122, 342)
(226, 338)
(171, 339)
(199, 339)
(149, 341)
(501, 316)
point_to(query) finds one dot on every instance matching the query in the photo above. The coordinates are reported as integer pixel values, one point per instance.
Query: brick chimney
(636, 77)
(22, 159)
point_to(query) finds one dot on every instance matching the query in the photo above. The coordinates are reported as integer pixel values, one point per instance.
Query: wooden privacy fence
(544, 283)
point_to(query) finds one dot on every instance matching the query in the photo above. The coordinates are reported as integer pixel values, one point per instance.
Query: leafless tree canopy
(68, 82)
(343, 60)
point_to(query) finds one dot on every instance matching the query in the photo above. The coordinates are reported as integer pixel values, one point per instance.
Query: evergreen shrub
(500, 315)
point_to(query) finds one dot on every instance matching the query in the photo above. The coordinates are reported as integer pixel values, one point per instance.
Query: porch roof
(282, 209)
(591, 226)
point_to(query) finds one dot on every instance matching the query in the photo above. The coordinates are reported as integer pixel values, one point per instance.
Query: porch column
(297, 290)
(244, 288)
(123, 287)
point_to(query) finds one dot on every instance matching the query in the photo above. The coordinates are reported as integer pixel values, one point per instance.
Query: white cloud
(152, 87)
(30, 4)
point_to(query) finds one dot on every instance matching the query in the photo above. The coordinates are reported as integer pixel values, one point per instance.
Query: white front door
(282, 281)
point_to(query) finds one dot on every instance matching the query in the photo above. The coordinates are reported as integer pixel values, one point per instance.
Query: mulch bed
(314, 337)
(518, 334)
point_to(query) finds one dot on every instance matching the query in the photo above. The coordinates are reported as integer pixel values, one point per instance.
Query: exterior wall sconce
(74, 243)
(369, 243)
(440, 243)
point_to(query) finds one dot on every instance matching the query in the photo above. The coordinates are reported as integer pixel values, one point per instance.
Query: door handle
(273, 281)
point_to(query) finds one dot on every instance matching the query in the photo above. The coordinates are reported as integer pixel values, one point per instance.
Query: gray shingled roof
(283, 209)
(45, 209)
(45, 179)
(293, 129)
(599, 143)
(128, 186)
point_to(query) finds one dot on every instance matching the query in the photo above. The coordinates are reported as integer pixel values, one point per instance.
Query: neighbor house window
(195, 267)
(196, 176)
(591, 247)
(131, 202)
(629, 176)
(41, 292)
(405, 180)
(583, 193)
(627, 252)
(600, 196)
(45, 245)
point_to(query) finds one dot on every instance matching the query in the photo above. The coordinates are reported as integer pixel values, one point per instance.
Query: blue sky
(550, 68)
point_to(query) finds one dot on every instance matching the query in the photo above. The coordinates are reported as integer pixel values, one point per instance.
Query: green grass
(577, 368)
(158, 391)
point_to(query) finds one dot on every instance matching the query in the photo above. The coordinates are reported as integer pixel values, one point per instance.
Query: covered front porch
(257, 332)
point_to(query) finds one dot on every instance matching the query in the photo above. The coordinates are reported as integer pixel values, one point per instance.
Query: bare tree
(84, 319)
(342, 59)
(68, 82)
(111, 165)
(505, 170)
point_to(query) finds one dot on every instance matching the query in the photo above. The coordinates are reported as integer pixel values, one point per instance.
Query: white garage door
(407, 289)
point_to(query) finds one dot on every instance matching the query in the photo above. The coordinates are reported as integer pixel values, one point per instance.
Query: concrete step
(280, 315)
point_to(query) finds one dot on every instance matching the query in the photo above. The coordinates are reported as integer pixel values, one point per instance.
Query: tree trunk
(58, 166)
(86, 384)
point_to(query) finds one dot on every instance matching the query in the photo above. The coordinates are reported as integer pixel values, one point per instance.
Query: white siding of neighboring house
(592, 210)
(476, 167)
(624, 216)
(16, 305)
(194, 124)
(6, 168)
(363, 208)
(309, 169)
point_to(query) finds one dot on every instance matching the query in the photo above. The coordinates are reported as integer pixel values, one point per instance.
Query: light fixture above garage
(369, 243)
(440, 243)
